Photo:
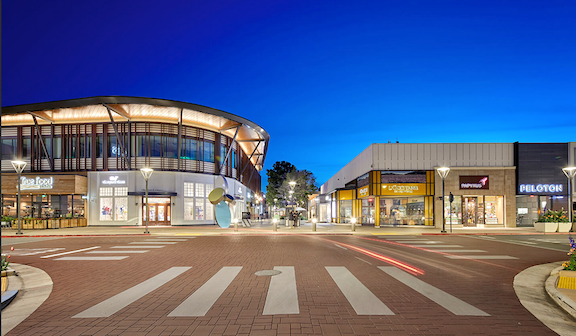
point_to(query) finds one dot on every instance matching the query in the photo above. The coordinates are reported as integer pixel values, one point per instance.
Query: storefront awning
(152, 193)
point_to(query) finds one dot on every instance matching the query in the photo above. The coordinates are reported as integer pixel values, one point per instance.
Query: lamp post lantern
(147, 173)
(443, 172)
(19, 167)
(570, 172)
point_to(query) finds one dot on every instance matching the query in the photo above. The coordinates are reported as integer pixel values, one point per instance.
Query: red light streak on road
(406, 267)
(438, 252)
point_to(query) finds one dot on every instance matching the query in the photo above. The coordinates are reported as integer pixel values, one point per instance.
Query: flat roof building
(399, 185)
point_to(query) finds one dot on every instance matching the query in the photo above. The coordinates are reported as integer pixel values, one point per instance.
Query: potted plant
(567, 276)
(7, 221)
(553, 221)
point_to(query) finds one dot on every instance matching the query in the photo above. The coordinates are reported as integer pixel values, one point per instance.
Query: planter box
(567, 279)
(564, 227)
(82, 222)
(64, 223)
(545, 227)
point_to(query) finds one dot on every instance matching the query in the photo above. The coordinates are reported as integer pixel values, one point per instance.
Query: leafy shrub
(550, 216)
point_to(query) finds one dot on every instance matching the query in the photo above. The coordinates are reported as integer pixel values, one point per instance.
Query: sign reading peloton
(541, 188)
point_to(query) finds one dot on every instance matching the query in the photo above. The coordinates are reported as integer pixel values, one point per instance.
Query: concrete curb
(34, 286)
(562, 300)
(529, 286)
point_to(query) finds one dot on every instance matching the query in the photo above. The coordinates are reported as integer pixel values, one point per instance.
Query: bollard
(275, 225)
(353, 223)
(314, 220)
(235, 224)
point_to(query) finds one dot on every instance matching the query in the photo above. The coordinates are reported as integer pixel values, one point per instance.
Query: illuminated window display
(471, 211)
(402, 211)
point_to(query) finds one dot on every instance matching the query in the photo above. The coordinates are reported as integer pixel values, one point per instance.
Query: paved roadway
(324, 285)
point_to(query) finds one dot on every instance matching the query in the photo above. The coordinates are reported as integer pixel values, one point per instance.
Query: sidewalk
(264, 227)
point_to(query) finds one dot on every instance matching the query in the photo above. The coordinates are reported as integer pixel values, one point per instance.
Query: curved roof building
(86, 146)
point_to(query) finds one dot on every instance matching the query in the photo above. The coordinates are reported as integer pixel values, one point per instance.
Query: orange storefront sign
(403, 189)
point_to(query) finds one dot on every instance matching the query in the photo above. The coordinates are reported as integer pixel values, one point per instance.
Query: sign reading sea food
(36, 183)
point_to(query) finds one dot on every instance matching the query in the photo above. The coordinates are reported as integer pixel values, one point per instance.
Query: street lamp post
(570, 172)
(19, 167)
(443, 172)
(147, 173)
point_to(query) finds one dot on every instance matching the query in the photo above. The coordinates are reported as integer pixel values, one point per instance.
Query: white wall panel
(393, 156)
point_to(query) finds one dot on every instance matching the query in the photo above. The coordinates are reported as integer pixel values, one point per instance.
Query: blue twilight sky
(324, 78)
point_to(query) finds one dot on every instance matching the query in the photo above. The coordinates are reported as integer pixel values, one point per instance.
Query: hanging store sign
(36, 183)
(403, 189)
(474, 182)
(115, 180)
(540, 188)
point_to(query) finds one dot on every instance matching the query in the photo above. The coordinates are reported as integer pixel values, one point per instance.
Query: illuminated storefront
(397, 185)
(45, 195)
(83, 158)
(541, 184)
(389, 198)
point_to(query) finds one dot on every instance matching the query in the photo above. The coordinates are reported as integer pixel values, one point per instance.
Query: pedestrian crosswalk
(131, 248)
(282, 294)
(439, 246)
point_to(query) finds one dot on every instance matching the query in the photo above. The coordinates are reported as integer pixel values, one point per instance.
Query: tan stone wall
(502, 182)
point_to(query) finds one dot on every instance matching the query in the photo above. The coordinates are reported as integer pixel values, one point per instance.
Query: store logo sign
(114, 180)
(362, 192)
(404, 189)
(540, 188)
(474, 182)
(36, 183)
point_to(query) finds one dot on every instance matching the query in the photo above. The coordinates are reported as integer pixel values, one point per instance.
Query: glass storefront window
(494, 209)
(345, 211)
(474, 210)
(121, 208)
(199, 209)
(106, 208)
(402, 211)
(188, 209)
(368, 211)
(8, 149)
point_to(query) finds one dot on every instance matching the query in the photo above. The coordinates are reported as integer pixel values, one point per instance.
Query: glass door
(469, 205)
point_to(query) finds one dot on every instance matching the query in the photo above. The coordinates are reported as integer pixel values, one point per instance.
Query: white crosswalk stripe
(361, 298)
(204, 298)
(495, 257)
(282, 297)
(449, 302)
(93, 258)
(119, 301)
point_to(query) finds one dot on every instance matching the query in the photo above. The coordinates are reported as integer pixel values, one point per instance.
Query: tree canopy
(279, 178)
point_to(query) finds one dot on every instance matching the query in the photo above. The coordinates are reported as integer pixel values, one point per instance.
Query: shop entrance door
(469, 211)
(159, 211)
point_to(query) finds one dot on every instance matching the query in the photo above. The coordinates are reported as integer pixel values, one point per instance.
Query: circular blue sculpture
(223, 215)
